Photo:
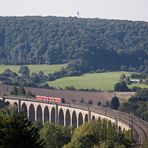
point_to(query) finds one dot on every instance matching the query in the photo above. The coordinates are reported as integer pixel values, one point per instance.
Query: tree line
(137, 104)
(125, 81)
(85, 44)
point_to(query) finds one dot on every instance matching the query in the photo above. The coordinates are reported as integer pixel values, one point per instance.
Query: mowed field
(138, 85)
(34, 68)
(103, 81)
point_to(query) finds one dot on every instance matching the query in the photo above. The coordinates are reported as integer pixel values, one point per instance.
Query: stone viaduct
(75, 115)
(64, 114)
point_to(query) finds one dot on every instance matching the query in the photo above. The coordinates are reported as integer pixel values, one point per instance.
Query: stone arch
(39, 113)
(86, 118)
(74, 119)
(24, 108)
(31, 113)
(61, 117)
(80, 119)
(7, 103)
(53, 116)
(15, 105)
(93, 118)
(46, 114)
(68, 118)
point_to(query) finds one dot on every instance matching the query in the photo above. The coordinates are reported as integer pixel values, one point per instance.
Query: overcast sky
(111, 9)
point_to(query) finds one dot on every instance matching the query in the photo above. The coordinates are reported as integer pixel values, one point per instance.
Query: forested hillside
(92, 43)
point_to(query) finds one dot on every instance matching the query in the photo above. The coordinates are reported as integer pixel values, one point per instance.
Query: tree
(107, 103)
(99, 103)
(82, 100)
(83, 137)
(2, 104)
(146, 80)
(38, 124)
(24, 71)
(122, 77)
(114, 104)
(17, 132)
(142, 92)
(22, 91)
(30, 94)
(123, 67)
(95, 133)
(121, 86)
(145, 144)
(128, 81)
(43, 85)
(63, 100)
(90, 102)
(9, 73)
(14, 91)
(35, 78)
(54, 135)
(124, 86)
(117, 87)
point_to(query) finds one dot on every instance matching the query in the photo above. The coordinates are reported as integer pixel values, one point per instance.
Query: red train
(49, 99)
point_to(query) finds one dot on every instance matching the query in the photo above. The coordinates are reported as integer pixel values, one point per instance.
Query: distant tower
(78, 14)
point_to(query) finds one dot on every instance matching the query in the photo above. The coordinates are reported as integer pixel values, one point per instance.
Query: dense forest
(91, 44)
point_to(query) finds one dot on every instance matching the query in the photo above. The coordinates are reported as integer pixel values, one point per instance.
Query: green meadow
(139, 85)
(34, 68)
(103, 81)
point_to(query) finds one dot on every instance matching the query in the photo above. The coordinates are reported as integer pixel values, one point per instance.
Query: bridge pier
(56, 115)
(43, 116)
(89, 116)
(28, 114)
(19, 106)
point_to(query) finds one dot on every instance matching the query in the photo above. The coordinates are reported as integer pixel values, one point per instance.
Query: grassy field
(103, 81)
(34, 68)
(140, 85)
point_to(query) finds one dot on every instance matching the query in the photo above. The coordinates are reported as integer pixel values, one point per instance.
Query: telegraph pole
(78, 14)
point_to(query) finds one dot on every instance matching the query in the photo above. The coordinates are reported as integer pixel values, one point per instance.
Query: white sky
(111, 9)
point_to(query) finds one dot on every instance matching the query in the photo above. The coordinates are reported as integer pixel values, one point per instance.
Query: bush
(70, 88)
(63, 100)
(82, 100)
(99, 103)
(90, 102)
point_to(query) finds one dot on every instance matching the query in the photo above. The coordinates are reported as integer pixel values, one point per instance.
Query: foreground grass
(34, 68)
(103, 81)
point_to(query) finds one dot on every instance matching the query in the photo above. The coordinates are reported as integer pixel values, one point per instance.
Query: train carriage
(49, 99)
